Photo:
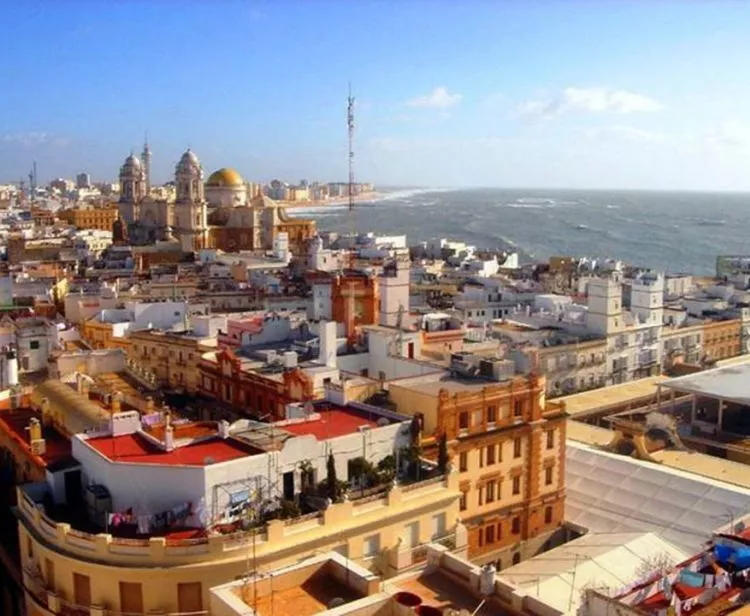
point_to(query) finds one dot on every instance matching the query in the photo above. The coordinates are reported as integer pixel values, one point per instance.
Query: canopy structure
(730, 384)
(611, 493)
(606, 562)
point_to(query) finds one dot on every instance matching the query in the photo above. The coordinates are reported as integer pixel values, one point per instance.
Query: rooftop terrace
(208, 448)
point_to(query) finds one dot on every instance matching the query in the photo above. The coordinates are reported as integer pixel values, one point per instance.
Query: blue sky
(606, 94)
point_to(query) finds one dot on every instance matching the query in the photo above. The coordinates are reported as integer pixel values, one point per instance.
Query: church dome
(133, 161)
(225, 177)
(188, 160)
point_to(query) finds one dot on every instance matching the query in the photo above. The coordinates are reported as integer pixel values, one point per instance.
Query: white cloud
(33, 139)
(594, 100)
(439, 98)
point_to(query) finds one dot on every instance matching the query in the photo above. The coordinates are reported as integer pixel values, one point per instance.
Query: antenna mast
(350, 126)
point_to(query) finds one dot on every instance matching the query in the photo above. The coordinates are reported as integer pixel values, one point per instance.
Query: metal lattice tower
(350, 127)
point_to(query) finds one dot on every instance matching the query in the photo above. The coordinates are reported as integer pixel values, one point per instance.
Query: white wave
(536, 201)
(613, 207)
(525, 206)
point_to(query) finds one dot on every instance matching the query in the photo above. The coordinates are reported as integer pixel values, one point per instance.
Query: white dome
(189, 163)
(133, 161)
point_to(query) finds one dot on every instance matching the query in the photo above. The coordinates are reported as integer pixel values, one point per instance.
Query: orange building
(90, 218)
(508, 445)
(222, 377)
(722, 339)
(354, 297)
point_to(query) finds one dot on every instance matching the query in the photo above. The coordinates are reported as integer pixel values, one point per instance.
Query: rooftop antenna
(350, 127)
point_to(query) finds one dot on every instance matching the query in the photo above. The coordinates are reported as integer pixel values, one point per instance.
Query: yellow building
(65, 568)
(508, 445)
(172, 358)
(103, 335)
(70, 566)
(90, 218)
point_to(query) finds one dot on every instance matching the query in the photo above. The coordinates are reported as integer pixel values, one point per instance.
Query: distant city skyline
(545, 94)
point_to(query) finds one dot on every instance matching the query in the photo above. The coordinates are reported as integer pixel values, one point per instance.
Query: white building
(35, 337)
(90, 243)
(228, 469)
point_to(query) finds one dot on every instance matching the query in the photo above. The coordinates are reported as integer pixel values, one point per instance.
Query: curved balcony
(278, 536)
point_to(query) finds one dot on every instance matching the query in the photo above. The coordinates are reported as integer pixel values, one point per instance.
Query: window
(515, 527)
(491, 414)
(489, 534)
(490, 455)
(518, 408)
(462, 502)
(34, 345)
(463, 421)
(481, 457)
(548, 515)
(29, 547)
(550, 439)
(49, 567)
(131, 598)
(517, 448)
(490, 492)
(516, 486)
(548, 476)
(371, 546)
(463, 462)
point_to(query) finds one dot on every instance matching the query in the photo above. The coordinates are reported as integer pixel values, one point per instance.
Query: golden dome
(225, 177)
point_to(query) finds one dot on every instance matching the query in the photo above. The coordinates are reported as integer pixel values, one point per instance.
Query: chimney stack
(116, 402)
(328, 343)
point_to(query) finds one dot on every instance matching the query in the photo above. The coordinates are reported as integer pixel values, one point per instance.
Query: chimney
(36, 440)
(224, 428)
(116, 402)
(169, 438)
(168, 432)
(35, 429)
(328, 343)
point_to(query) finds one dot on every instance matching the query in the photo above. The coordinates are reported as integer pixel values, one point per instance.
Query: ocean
(666, 231)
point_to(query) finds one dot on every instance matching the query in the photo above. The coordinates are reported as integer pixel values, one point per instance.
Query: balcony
(437, 493)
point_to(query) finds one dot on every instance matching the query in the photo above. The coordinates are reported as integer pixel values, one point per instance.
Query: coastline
(370, 196)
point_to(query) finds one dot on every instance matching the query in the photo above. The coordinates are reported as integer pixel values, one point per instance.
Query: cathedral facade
(220, 213)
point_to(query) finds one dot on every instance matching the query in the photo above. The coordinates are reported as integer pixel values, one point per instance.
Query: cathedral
(220, 213)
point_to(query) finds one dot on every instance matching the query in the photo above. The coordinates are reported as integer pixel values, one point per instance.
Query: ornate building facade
(218, 214)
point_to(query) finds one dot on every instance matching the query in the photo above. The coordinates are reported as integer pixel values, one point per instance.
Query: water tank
(10, 369)
(290, 360)
(98, 504)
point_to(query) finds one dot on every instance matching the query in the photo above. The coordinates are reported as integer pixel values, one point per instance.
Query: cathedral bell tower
(190, 205)
(146, 158)
(132, 189)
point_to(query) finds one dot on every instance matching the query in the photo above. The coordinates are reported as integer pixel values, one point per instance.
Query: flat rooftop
(135, 449)
(15, 423)
(309, 598)
(728, 383)
(438, 590)
(334, 421)
(577, 404)
(451, 384)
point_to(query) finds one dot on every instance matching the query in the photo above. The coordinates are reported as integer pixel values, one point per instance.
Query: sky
(589, 94)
